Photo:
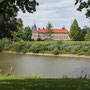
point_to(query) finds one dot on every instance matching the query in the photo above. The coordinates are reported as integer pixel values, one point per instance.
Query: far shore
(46, 54)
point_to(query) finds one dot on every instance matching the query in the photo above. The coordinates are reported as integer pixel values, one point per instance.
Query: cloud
(58, 12)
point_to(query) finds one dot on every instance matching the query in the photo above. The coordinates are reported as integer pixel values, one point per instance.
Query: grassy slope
(16, 83)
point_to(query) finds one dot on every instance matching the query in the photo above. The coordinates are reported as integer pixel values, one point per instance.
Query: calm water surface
(45, 66)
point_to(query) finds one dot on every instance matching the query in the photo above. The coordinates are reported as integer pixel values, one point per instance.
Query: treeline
(15, 31)
(56, 48)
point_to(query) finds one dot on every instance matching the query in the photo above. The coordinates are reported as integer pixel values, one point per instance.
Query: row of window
(63, 37)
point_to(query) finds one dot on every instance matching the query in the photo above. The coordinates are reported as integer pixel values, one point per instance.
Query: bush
(56, 51)
(35, 48)
(6, 41)
(50, 47)
(21, 48)
(39, 39)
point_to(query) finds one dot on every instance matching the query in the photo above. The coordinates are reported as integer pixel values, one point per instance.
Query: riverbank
(59, 55)
(25, 83)
(58, 48)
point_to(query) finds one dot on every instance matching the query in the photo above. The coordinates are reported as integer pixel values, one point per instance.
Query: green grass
(22, 83)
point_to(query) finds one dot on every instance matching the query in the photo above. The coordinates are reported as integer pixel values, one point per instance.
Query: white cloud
(58, 12)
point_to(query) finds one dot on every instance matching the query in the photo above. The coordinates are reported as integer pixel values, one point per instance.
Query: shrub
(39, 39)
(21, 48)
(35, 48)
(50, 47)
(6, 41)
(8, 47)
(56, 51)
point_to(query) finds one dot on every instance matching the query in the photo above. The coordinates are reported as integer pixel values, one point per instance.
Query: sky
(58, 12)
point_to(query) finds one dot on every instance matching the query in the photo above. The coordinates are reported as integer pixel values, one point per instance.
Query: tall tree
(84, 5)
(75, 33)
(10, 8)
(49, 31)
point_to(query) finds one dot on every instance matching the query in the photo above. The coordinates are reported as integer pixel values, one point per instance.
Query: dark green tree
(87, 36)
(6, 28)
(27, 34)
(49, 31)
(84, 5)
(84, 31)
(18, 35)
(10, 8)
(75, 31)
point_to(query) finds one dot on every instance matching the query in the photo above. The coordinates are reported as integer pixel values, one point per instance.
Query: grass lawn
(17, 83)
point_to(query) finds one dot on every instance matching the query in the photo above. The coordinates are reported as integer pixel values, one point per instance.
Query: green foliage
(18, 35)
(58, 47)
(75, 32)
(6, 28)
(56, 51)
(49, 31)
(87, 36)
(35, 76)
(35, 48)
(27, 34)
(84, 5)
(1, 46)
(6, 41)
(85, 31)
(39, 39)
(13, 6)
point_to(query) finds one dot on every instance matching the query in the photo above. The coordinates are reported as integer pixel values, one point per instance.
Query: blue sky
(58, 12)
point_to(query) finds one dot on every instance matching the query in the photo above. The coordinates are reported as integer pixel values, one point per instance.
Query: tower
(34, 32)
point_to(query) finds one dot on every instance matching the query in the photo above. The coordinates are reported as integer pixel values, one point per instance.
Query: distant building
(58, 34)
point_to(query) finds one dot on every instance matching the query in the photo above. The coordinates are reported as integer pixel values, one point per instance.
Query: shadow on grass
(45, 84)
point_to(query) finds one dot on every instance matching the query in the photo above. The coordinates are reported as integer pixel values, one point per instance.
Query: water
(45, 66)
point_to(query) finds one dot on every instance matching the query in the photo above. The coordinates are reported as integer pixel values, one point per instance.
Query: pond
(45, 66)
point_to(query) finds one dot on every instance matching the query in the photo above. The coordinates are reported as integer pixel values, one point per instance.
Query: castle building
(57, 34)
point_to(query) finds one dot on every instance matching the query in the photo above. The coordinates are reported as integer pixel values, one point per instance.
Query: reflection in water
(45, 66)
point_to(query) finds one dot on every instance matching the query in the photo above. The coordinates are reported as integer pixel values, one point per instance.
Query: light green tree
(75, 33)
(27, 34)
(49, 31)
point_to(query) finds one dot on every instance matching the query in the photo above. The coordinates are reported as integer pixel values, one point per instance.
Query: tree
(75, 31)
(10, 8)
(27, 34)
(18, 35)
(84, 31)
(87, 36)
(84, 5)
(6, 28)
(49, 31)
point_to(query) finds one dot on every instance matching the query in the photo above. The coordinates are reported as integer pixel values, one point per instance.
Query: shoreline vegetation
(47, 48)
(45, 54)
